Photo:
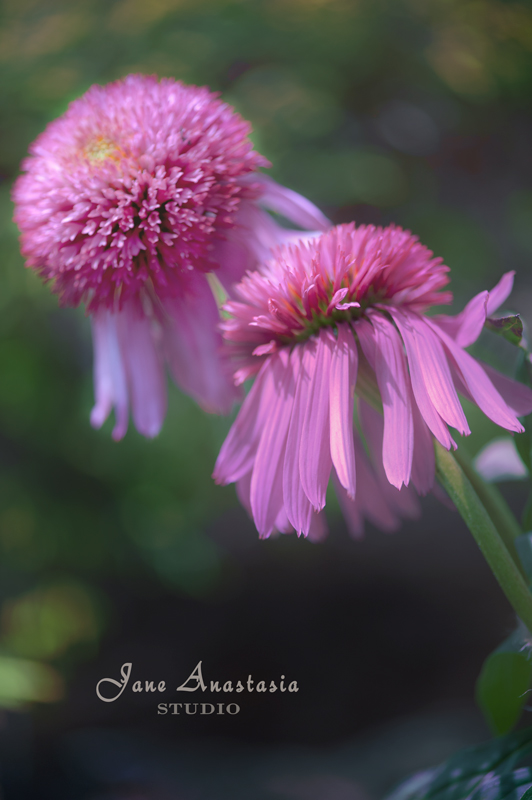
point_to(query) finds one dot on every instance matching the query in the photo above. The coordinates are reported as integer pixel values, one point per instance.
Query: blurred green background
(416, 111)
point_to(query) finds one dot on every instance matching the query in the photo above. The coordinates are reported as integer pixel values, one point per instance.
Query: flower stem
(494, 503)
(477, 519)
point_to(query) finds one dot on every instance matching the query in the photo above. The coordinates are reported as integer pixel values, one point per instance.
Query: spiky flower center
(328, 307)
(328, 281)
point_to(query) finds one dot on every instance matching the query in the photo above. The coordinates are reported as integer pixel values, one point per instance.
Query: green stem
(477, 519)
(495, 505)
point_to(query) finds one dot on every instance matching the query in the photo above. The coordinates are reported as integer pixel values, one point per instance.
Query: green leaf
(511, 328)
(523, 444)
(485, 772)
(526, 519)
(501, 689)
(523, 372)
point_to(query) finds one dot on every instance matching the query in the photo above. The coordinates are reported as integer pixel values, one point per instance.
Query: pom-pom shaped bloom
(340, 314)
(126, 201)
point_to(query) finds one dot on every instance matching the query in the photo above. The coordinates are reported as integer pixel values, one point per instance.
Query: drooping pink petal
(343, 377)
(394, 387)
(318, 527)
(466, 327)
(315, 450)
(243, 491)
(424, 462)
(110, 382)
(296, 502)
(282, 523)
(267, 478)
(351, 510)
(237, 453)
(517, 396)
(144, 369)
(500, 293)
(193, 347)
(369, 501)
(431, 380)
(290, 204)
(403, 501)
(482, 390)
(234, 258)
(247, 244)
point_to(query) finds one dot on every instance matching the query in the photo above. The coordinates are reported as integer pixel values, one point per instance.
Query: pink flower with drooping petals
(338, 315)
(127, 201)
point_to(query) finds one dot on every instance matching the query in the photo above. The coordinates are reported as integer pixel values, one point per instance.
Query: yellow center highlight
(100, 149)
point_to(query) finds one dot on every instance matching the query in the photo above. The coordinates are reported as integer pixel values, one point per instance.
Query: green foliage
(523, 444)
(502, 689)
(526, 519)
(485, 772)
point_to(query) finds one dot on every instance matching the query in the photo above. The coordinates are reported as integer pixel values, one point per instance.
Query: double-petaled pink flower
(128, 200)
(344, 314)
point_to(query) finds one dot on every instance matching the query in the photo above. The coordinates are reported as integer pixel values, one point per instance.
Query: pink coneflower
(128, 200)
(340, 313)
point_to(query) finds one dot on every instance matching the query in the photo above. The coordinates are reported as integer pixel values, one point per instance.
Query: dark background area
(413, 111)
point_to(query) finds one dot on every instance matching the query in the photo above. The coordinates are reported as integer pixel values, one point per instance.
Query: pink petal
(394, 387)
(350, 509)
(237, 453)
(517, 396)
(267, 478)
(431, 380)
(243, 490)
(144, 369)
(315, 451)
(369, 500)
(366, 332)
(479, 385)
(500, 293)
(424, 462)
(282, 523)
(290, 204)
(318, 527)
(247, 244)
(110, 386)
(404, 500)
(336, 298)
(344, 362)
(234, 258)
(296, 502)
(193, 347)
(467, 326)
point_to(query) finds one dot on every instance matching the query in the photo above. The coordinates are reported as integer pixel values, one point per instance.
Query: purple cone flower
(126, 203)
(336, 327)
